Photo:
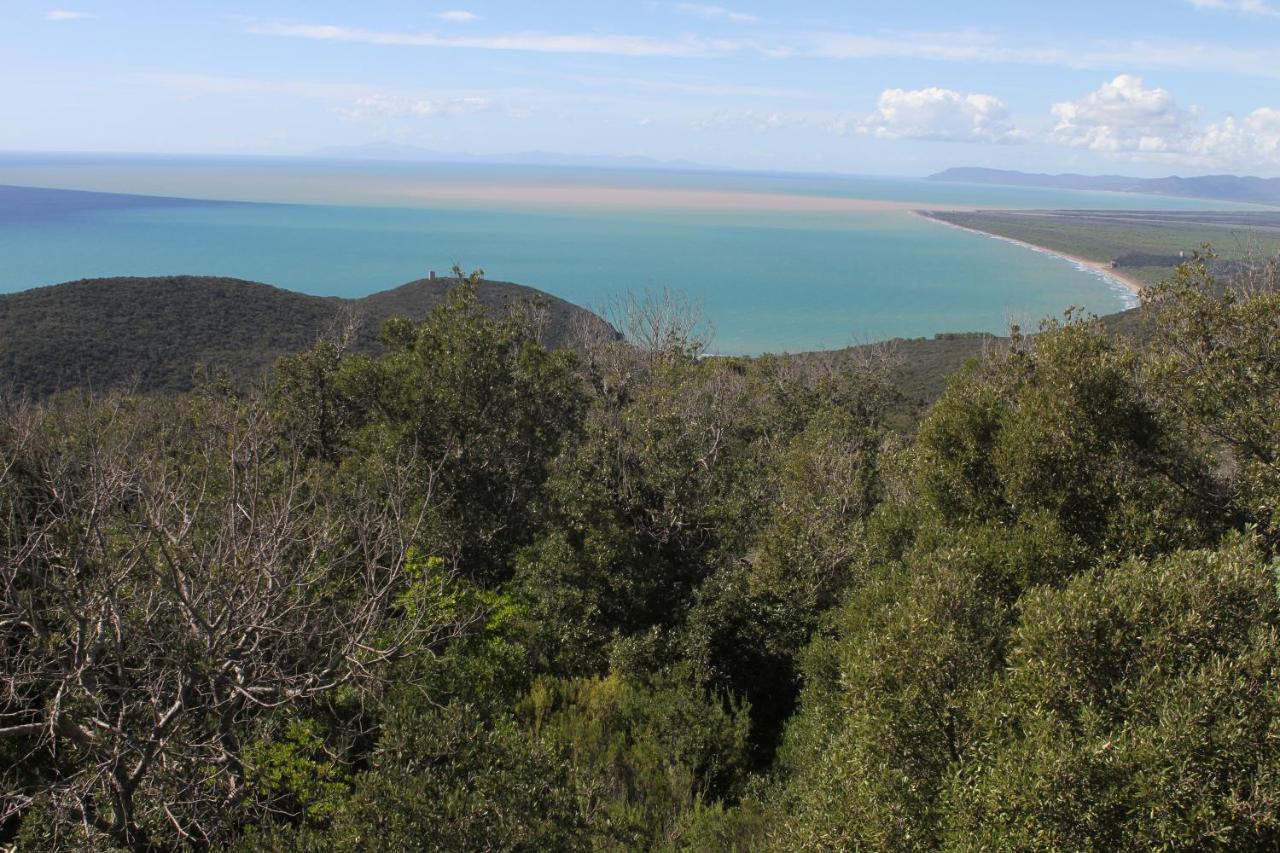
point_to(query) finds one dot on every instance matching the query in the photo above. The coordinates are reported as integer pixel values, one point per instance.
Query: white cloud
(65, 15)
(942, 115)
(1246, 7)
(351, 101)
(752, 120)
(1122, 115)
(960, 46)
(1249, 143)
(457, 16)
(403, 106)
(988, 48)
(187, 86)
(713, 13)
(927, 114)
(1125, 119)
(534, 42)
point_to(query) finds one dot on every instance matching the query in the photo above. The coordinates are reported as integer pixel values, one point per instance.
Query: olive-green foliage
(884, 714)
(644, 757)
(678, 602)
(1059, 434)
(313, 411)
(485, 407)
(1217, 363)
(1139, 711)
(449, 768)
(1043, 469)
(479, 404)
(689, 474)
(673, 478)
(828, 487)
(746, 644)
(450, 779)
(293, 774)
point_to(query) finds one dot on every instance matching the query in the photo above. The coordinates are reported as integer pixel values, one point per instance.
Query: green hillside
(154, 334)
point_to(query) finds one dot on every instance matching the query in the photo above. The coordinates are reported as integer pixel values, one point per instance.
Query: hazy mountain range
(1218, 187)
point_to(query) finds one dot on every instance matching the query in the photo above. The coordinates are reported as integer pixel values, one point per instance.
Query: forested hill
(1218, 187)
(157, 333)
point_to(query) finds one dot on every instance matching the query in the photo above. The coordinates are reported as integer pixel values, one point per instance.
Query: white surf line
(1128, 292)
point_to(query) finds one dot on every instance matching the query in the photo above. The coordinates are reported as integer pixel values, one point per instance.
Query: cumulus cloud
(940, 114)
(1246, 7)
(401, 106)
(65, 15)
(1245, 143)
(1124, 118)
(457, 16)
(1122, 115)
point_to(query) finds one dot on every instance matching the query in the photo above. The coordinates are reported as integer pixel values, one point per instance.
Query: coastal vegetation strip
(1139, 248)
(1106, 271)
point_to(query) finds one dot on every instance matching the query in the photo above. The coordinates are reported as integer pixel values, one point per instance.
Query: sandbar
(649, 198)
(1104, 270)
(380, 189)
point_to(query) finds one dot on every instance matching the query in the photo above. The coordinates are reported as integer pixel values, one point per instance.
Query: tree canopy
(471, 593)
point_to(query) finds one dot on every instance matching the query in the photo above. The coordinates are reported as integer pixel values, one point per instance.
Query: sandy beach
(1103, 269)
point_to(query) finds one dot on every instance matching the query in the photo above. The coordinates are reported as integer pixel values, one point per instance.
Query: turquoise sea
(778, 262)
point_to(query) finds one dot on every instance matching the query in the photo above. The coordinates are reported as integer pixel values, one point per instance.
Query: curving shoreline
(1132, 286)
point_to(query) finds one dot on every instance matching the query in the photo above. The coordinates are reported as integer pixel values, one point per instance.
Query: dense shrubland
(474, 594)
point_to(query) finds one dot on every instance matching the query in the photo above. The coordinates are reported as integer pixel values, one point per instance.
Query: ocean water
(776, 263)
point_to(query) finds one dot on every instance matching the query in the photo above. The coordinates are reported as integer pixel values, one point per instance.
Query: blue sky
(1158, 87)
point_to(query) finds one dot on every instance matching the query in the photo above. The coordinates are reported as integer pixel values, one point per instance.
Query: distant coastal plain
(1138, 248)
(1101, 268)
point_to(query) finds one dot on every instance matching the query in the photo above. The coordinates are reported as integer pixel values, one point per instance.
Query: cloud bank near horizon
(1125, 119)
(739, 83)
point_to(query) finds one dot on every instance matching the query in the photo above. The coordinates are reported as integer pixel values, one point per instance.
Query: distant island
(1216, 187)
